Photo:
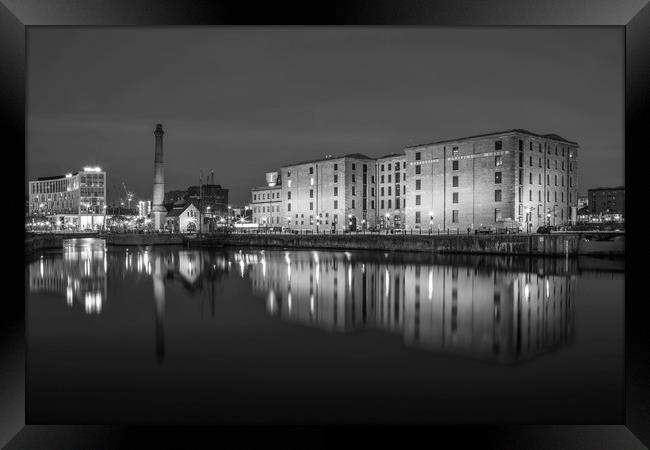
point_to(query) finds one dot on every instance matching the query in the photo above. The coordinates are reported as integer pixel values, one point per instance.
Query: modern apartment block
(503, 179)
(490, 180)
(75, 200)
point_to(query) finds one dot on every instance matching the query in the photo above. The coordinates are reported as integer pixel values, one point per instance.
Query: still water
(177, 335)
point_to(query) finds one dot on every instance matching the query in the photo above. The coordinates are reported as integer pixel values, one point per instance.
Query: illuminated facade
(391, 192)
(330, 194)
(513, 179)
(75, 200)
(492, 180)
(184, 217)
(266, 205)
(144, 208)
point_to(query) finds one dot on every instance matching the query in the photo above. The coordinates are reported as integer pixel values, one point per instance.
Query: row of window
(548, 196)
(397, 177)
(336, 205)
(336, 167)
(548, 179)
(264, 196)
(62, 185)
(498, 215)
(396, 166)
(265, 209)
(498, 145)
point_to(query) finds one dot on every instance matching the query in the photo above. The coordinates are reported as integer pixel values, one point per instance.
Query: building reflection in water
(79, 275)
(192, 269)
(503, 310)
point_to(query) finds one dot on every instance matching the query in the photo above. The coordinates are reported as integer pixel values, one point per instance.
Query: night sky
(244, 101)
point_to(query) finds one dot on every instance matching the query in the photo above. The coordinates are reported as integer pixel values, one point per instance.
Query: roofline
(496, 133)
(264, 188)
(619, 188)
(394, 155)
(351, 156)
(53, 177)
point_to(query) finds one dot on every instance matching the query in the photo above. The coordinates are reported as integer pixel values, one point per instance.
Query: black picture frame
(633, 15)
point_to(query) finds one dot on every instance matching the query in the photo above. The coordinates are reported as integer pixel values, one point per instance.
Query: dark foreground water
(178, 335)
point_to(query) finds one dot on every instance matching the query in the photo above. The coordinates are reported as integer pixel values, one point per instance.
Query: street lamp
(104, 223)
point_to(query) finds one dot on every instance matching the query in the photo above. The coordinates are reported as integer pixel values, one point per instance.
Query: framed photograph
(376, 214)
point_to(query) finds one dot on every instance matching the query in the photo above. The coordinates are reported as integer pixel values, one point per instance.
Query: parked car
(544, 229)
(510, 226)
(486, 229)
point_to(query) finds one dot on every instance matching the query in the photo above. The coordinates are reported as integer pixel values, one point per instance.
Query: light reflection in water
(504, 312)
(497, 314)
(79, 275)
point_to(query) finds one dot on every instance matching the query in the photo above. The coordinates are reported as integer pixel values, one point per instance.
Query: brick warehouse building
(493, 179)
(391, 191)
(329, 193)
(490, 179)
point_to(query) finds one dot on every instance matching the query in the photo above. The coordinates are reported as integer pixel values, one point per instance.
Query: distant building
(213, 196)
(75, 200)
(607, 204)
(183, 217)
(144, 208)
(121, 211)
(583, 202)
(174, 196)
(210, 198)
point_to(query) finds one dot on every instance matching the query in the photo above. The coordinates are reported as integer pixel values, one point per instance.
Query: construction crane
(129, 195)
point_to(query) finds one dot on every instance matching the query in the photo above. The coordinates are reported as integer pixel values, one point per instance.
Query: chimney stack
(158, 208)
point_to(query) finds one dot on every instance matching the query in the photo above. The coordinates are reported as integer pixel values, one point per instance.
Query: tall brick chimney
(157, 208)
